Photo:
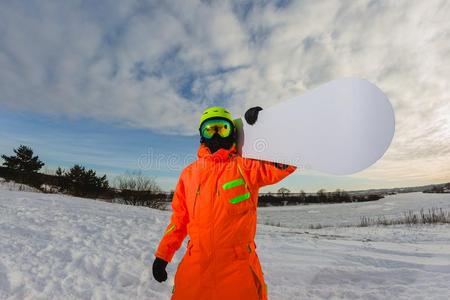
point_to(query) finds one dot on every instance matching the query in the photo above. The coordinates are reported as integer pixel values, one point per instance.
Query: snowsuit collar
(219, 155)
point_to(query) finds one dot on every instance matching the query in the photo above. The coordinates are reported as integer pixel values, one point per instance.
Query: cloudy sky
(119, 85)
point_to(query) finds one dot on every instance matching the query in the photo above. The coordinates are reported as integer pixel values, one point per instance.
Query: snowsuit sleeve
(176, 231)
(261, 173)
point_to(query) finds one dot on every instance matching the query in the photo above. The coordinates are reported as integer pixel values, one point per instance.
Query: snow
(61, 247)
(342, 214)
(355, 263)
(13, 186)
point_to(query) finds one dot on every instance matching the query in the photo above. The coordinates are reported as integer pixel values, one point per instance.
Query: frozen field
(61, 247)
(350, 213)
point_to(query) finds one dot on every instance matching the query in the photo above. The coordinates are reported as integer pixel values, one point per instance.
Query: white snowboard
(341, 127)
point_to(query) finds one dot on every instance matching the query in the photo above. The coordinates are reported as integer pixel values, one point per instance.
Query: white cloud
(81, 59)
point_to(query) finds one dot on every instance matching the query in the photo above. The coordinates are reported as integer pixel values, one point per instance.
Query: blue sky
(110, 84)
(105, 147)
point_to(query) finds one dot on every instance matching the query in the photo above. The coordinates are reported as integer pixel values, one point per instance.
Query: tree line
(285, 197)
(132, 188)
(439, 188)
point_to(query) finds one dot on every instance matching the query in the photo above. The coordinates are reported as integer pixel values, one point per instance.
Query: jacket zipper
(242, 175)
(197, 192)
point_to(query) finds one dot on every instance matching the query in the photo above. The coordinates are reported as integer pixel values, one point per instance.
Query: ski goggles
(223, 127)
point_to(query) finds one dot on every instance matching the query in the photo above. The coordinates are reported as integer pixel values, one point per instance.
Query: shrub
(432, 216)
(137, 189)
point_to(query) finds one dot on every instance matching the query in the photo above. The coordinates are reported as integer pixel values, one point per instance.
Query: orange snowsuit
(215, 203)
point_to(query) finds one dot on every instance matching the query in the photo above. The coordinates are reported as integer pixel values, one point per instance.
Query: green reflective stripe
(233, 183)
(240, 198)
(170, 229)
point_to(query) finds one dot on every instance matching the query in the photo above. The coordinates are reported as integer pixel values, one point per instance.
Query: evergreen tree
(23, 160)
(59, 172)
(85, 182)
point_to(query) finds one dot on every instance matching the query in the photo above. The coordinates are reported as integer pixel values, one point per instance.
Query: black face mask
(217, 142)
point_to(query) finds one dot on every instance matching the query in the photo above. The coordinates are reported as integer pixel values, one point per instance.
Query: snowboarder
(215, 203)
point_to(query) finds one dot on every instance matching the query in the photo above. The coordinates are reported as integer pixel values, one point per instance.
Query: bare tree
(283, 191)
(302, 195)
(321, 195)
(136, 181)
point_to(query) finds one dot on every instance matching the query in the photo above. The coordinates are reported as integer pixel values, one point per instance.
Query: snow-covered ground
(343, 214)
(62, 247)
(13, 186)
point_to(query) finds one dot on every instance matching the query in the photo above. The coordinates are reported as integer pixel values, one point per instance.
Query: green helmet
(215, 112)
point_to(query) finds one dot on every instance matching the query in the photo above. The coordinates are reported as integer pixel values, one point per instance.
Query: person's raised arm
(263, 172)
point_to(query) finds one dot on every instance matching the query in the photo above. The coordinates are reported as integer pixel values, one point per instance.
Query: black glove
(251, 115)
(159, 269)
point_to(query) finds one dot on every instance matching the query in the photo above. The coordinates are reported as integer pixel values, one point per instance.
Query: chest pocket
(237, 195)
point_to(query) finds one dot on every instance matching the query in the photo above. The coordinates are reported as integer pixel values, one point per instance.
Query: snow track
(61, 247)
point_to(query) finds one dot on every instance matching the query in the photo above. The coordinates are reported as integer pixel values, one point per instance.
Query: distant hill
(431, 188)
(439, 188)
